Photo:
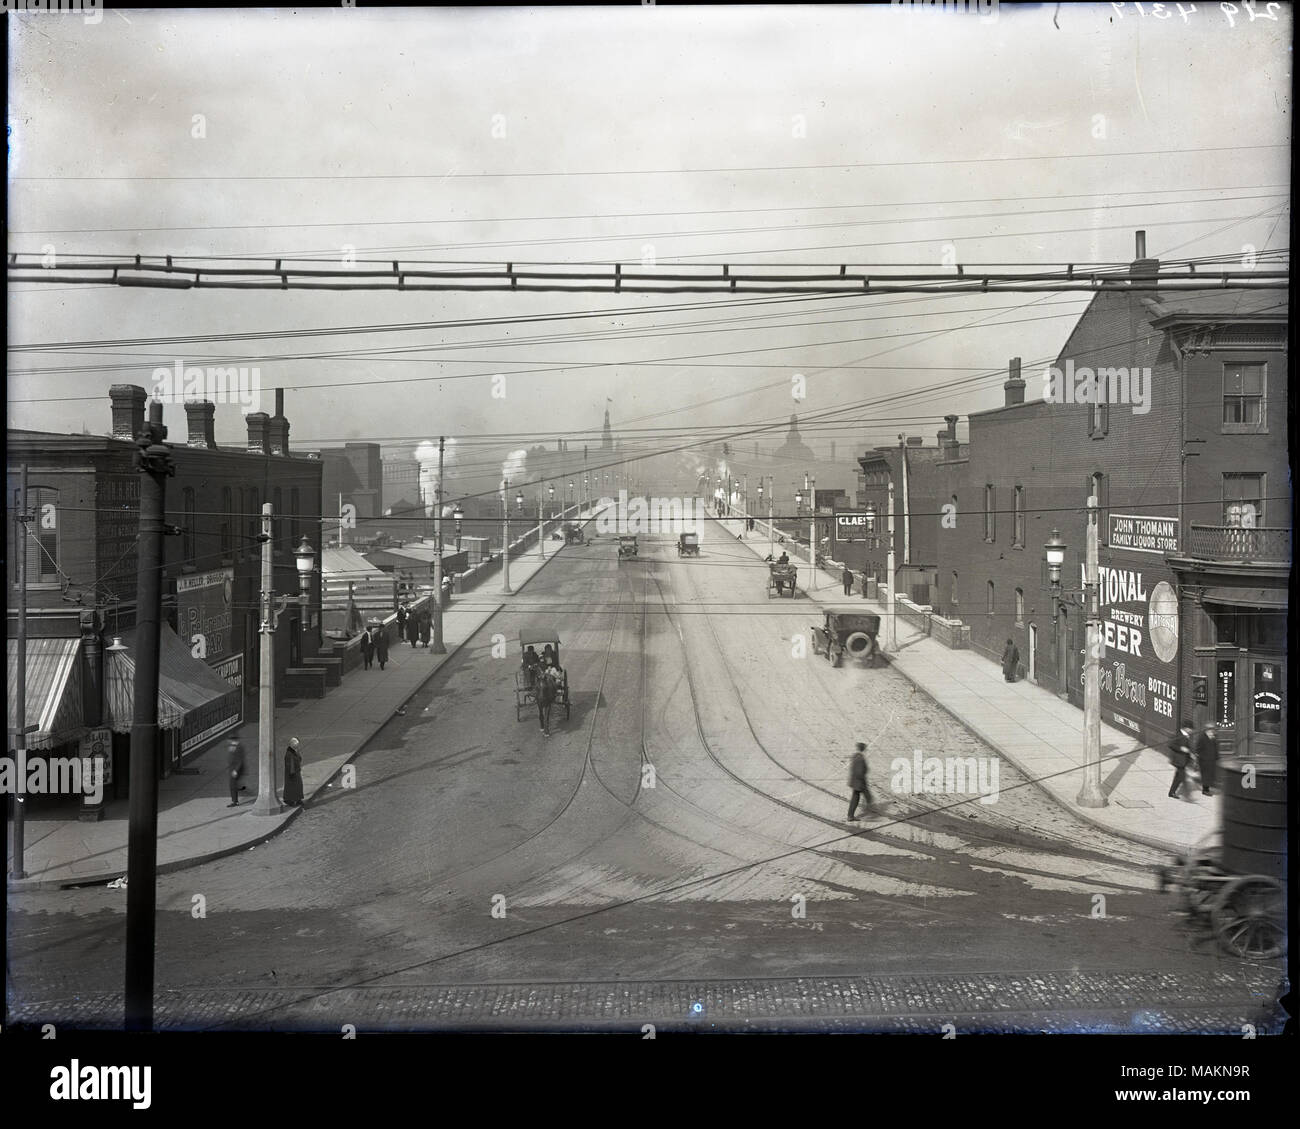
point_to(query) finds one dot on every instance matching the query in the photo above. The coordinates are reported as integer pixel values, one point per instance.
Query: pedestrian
(426, 628)
(367, 648)
(234, 769)
(401, 621)
(1010, 661)
(858, 781)
(1180, 753)
(848, 581)
(381, 646)
(447, 584)
(293, 774)
(545, 696)
(1206, 748)
(412, 627)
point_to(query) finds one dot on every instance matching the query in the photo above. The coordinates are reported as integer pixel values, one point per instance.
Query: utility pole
(541, 528)
(267, 802)
(154, 461)
(21, 519)
(812, 532)
(439, 647)
(505, 536)
(891, 636)
(1091, 795)
(771, 485)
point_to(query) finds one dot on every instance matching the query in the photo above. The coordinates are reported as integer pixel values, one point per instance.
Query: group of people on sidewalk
(415, 627)
(1190, 745)
(374, 645)
(293, 793)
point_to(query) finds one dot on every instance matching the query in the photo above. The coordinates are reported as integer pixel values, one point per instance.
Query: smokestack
(1014, 387)
(199, 415)
(277, 427)
(950, 435)
(1141, 245)
(1142, 267)
(258, 426)
(128, 410)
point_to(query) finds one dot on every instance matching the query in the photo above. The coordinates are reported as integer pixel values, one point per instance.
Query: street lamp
(1090, 793)
(550, 490)
(305, 559)
(519, 501)
(458, 515)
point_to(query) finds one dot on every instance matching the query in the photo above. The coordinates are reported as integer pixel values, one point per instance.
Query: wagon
(688, 544)
(626, 548)
(1233, 883)
(574, 535)
(851, 633)
(538, 637)
(780, 578)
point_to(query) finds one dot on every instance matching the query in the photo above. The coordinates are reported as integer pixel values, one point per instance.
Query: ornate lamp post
(550, 490)
(458, 516)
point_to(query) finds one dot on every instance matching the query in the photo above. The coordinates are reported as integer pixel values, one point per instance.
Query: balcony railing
(1233, 543)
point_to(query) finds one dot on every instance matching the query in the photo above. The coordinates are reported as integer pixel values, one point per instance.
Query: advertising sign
(1143, 534)
(854, 525)
(211, 720)
(203, 613)
(1139, 637)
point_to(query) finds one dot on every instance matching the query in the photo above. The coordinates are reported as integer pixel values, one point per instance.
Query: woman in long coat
(293, 774)
(412, 628)
(426, 628)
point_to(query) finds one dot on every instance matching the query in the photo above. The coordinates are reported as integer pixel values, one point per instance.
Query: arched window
(989, 610)
(1020, 607)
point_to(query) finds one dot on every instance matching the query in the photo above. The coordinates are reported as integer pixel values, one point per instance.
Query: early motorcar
(626, 548)
(688, 544)
(851, 633)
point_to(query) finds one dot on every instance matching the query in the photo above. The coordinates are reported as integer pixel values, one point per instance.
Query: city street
(676, 852)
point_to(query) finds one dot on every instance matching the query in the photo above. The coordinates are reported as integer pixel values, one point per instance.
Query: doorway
(1032, 670)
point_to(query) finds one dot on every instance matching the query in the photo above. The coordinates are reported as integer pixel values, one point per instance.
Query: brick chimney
(1141, 266)
(278, 427)
(258, 426)
(949, 442)
(1014, 387)
(199, 415)
(128, 410)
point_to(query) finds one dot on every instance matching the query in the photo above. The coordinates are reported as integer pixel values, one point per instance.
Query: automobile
(539, 637)
(688, 544)
(574, 535)
(626, 548)
(851, 633)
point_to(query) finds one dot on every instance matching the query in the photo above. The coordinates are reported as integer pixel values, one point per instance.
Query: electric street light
(458, 515)
(550, 489)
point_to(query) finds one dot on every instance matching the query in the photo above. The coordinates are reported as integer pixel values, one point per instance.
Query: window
(42, 534)
(1098, 409)
(1243, 397)
(187, 538)
(293, 517)
(989, 610)
(989, 512)
(1018, 515)
(277, 507)
(1020, 607)
(1243, 500)
(253, 515)
(956, 599)
(1099, 488)
(228, 525)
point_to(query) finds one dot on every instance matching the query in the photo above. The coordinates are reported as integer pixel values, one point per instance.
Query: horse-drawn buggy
(574, 534)
(1234, 882)
(626, 549)
(539, 646)
(780, 578)
(688, 544)
(851, 633)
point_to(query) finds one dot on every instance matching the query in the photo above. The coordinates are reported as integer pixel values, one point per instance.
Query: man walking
(1180, 753)
(1206, 747)
(412, 627)
(401, 622)
(426, 627)
(858, 781)
(367, 648)
(1010, 661)
(381, 646)
(234, 769)
(848, 581)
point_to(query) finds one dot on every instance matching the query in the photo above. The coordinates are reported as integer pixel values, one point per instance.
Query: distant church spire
(606, 435)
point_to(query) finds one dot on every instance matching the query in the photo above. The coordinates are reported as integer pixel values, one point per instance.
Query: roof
(53, 691)
(347, 564)
(538, 633)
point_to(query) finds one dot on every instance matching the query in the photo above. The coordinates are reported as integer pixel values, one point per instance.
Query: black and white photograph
(644, 522)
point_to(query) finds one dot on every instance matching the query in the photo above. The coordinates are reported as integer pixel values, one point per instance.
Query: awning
(184, 683)
(53, 690)
(1273, 598)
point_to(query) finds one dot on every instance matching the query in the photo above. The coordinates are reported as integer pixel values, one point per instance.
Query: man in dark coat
(1206, 748)
(367, 648)
(293, 774)
(412, 627)
(381, 646)
(1180, 753)
(1010, 661)
(426, 628)
(848, 580)
(401, 621)
(234, 769)
(858, 780)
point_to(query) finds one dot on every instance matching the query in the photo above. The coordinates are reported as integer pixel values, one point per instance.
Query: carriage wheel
(1249, 918)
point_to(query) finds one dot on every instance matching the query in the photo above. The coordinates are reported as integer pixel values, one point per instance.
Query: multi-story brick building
(82, 566)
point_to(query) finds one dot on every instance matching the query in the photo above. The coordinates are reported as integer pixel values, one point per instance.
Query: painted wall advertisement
(204, 619)
(1139, 657)
(854, 525)
(1143, 534)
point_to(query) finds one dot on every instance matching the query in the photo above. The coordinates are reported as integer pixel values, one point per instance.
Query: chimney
(277, 428)
(199, 415)
(128, 410)
(950, 435)
(1142, 267)
(258, 426)
(1014, 387)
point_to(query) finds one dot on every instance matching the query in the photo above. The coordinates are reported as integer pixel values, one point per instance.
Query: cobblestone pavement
(1052, 1002)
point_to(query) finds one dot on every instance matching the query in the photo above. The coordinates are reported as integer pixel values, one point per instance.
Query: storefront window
(1268, 631)
(1266, 698)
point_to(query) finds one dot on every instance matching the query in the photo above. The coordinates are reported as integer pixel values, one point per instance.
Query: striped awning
(184, 683)
(53, 691)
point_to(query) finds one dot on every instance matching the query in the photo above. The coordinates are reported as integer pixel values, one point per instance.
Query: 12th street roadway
(481, 874)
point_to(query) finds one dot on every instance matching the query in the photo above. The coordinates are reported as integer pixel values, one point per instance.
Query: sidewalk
(1030, 726)
(195, 824)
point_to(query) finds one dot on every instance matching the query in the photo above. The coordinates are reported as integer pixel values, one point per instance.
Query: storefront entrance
(1249, 707)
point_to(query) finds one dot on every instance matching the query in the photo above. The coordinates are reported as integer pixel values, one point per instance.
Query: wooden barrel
(1254, 817)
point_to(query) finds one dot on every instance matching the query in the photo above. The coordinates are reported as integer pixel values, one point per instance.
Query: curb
(170, 867)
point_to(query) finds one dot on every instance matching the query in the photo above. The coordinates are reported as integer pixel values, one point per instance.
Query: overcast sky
(591, 135)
